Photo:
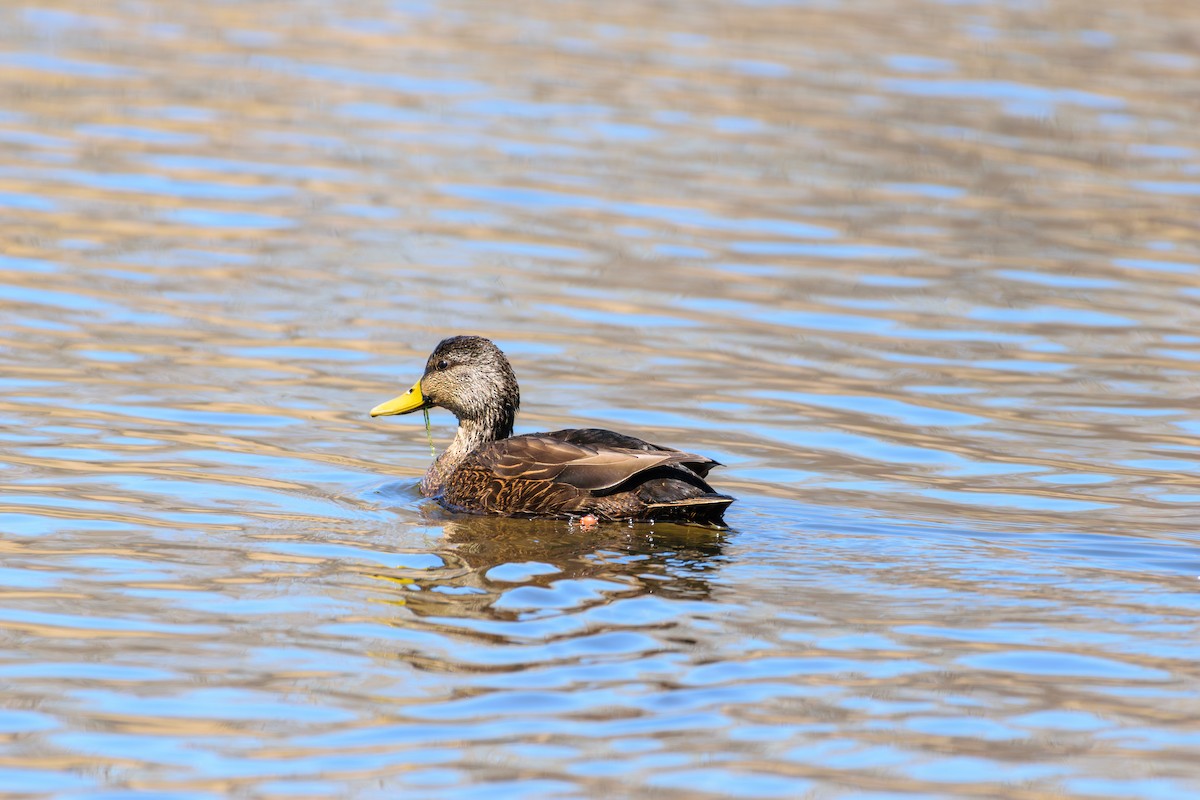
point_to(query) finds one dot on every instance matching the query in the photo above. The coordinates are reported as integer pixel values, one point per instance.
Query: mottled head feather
(469, 377)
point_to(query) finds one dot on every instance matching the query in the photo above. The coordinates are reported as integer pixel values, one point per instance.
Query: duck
(589, 474)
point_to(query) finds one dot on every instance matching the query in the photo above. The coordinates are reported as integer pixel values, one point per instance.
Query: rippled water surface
(925, 277)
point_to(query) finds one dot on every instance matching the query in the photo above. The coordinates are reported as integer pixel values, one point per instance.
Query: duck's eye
(443, 364)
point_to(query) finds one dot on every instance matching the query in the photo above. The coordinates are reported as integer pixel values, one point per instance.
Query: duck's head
(469, 377)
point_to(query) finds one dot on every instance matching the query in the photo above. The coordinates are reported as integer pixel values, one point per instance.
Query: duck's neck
(472, 435)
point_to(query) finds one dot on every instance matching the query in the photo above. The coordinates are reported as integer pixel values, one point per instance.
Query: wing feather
(601, 438)
(543, 457)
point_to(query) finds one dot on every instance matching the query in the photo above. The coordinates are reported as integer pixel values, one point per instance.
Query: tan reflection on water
(925, 276)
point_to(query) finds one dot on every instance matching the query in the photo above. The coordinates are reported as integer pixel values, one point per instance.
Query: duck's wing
(601, 438)
(589, 467)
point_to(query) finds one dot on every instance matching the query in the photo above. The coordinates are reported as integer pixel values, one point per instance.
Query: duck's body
(584, 471)
(567, 473)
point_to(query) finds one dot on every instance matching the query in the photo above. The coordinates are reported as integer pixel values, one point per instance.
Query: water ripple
(932, 304)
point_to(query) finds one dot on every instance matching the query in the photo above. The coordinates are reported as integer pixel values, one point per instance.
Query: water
(926, 278)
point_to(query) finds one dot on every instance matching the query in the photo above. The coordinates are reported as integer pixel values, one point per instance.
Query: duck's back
(585, 471)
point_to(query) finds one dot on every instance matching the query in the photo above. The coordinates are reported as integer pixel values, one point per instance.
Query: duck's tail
(706, 509)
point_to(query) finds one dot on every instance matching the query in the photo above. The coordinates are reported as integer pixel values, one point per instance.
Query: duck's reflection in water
(508, 569)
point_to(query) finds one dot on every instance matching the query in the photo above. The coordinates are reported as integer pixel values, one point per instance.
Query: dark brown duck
(568, 473)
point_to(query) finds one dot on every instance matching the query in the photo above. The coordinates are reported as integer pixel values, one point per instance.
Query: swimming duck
(574, 473)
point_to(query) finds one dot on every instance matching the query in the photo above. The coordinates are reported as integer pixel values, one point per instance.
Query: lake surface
(924, 276)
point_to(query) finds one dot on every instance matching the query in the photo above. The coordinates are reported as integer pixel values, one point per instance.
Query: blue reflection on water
(174, 187)
(232, 166)
(73, 301)
(842, 251)
(967, 769)
(934, 190)
(379, 80)
(1168, 187)
(36, 781)
(1057, 279)
(1014, 500)
(916, 63)
(731, 782)
(1022, 97)
(1051, 663)
(1156, 265)
(26, 202)
(96, 622)
(25, 265)
(214, 218)
(48, 62)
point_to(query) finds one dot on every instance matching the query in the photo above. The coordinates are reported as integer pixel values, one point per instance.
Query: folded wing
(586, 470)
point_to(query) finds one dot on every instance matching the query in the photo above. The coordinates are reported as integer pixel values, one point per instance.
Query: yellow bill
(410, 401)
